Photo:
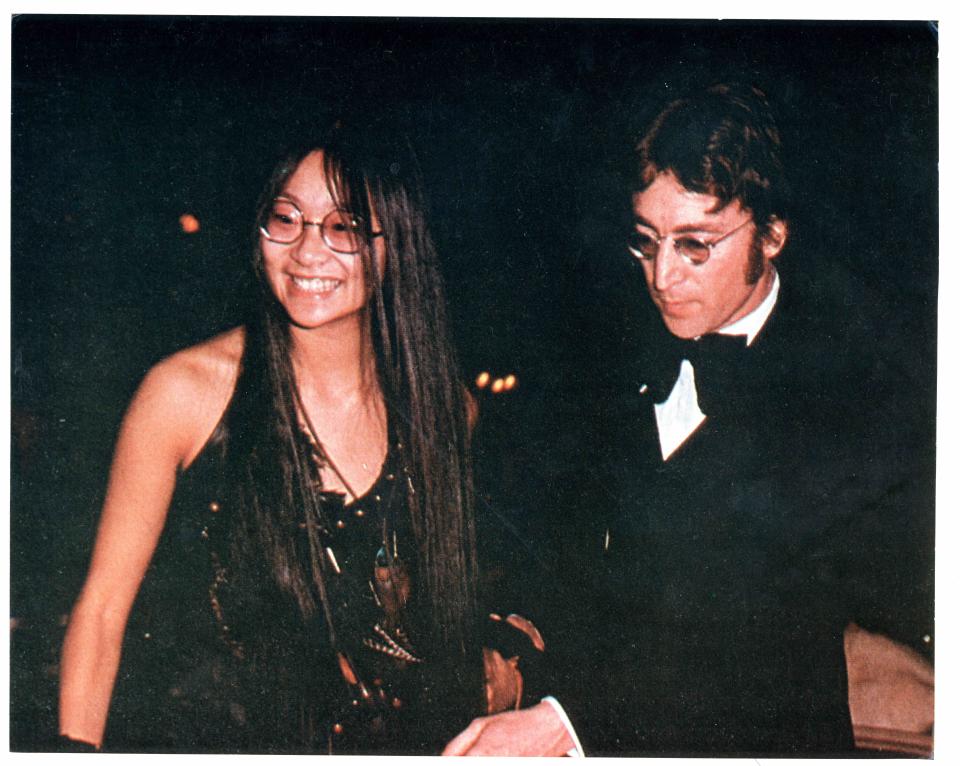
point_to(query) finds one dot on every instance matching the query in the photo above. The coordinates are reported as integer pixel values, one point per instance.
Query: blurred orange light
(483, 379)
(497, 386)
(509, 382)
(189, 223)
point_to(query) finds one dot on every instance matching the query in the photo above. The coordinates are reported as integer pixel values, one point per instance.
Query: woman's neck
(342, 404)
(334, 365)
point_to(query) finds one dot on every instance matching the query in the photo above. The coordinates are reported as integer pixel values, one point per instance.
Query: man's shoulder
(831, 365)
(825, 337)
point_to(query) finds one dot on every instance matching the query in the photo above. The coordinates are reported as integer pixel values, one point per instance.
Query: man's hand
(535, 730)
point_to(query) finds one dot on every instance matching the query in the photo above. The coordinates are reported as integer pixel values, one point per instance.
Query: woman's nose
(312, 247)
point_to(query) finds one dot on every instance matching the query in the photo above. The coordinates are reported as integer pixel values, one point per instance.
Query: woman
(312, 588)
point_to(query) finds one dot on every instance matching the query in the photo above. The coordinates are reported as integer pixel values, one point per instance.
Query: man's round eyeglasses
(283, 222)
(694, 251)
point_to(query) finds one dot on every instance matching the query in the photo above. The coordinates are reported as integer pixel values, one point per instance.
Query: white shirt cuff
(577, 750)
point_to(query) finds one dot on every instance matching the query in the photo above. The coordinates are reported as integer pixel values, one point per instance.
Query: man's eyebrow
(639, 219)
(687, 228)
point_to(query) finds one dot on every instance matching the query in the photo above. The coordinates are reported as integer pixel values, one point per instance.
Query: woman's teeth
(317, 285)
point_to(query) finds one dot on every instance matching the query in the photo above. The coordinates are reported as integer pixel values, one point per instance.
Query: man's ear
(774, 238)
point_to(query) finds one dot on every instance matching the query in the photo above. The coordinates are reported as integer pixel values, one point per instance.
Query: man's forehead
(689, 206)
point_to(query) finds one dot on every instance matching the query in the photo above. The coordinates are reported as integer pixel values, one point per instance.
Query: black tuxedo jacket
(697, 605)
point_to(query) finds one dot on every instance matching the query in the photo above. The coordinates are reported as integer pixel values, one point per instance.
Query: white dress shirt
(680, 415)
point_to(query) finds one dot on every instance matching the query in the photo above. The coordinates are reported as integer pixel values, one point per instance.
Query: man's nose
(667, 267)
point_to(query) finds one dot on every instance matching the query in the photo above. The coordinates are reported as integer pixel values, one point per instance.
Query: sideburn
(755, 263)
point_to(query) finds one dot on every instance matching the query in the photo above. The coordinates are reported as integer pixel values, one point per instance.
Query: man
(750, 495)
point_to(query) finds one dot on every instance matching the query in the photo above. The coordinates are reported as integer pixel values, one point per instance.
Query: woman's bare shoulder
(206, 368)
(191, 389)
(213, 362)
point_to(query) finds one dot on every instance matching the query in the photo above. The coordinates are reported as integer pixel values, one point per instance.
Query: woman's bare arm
(169, 419)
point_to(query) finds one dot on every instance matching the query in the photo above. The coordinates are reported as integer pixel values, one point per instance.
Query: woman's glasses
(284, 223)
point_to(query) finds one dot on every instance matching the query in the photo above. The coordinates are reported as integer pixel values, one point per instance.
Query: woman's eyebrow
(301, 205)
(290, 196)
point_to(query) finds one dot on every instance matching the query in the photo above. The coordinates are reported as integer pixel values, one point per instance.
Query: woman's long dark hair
(368, 170)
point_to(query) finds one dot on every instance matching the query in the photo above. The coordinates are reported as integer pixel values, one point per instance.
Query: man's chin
(683, 329)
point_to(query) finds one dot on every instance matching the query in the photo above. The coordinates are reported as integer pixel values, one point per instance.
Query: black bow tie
(717, 364)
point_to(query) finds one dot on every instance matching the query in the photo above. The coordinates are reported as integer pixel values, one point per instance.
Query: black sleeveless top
(223, 662)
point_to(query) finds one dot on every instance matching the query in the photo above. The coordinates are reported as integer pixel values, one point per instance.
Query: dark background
(120, 125)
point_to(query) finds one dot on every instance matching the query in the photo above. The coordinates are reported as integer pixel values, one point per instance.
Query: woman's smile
(316, 285)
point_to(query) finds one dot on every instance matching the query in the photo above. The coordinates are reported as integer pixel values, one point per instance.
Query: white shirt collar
(751, 324)
(680, 415)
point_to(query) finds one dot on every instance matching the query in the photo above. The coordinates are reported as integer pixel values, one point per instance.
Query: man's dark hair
(721, 141)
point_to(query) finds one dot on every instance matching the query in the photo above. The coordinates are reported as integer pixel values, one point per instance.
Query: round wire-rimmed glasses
(284, 223)
(694, 251)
